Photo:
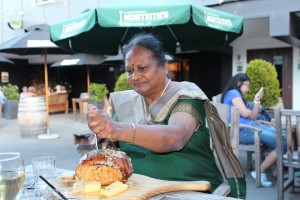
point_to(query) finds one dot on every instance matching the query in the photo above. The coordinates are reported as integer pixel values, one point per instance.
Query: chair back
(229, 163)
(288, 120)
(217, 98)
(223, 110)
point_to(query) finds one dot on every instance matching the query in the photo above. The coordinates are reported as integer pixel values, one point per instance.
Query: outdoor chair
(288, 120)
(234, 127)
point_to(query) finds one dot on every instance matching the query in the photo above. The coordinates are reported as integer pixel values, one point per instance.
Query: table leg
(81, 111)
(74, 109)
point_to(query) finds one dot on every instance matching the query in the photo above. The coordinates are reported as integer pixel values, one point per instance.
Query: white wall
(256, 36)
(296, 79)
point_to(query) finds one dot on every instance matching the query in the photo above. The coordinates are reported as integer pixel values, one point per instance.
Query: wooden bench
(58, 103)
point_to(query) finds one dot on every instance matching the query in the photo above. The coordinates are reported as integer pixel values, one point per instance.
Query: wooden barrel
(32, 116)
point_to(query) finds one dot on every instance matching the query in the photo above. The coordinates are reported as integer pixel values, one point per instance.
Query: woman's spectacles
(246, 84)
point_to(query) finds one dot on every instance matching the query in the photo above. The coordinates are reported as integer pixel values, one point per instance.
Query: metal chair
(288, 120)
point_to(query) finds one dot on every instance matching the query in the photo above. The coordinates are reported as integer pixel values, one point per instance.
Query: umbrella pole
(46, 93)
(48, 135)
(88, 79)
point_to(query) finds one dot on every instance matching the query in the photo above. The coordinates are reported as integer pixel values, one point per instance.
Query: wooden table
(82, 110)
(181, 195)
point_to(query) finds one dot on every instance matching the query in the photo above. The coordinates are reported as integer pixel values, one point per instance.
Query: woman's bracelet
(133, 133)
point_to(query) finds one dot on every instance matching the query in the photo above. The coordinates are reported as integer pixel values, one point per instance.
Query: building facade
(270, 32)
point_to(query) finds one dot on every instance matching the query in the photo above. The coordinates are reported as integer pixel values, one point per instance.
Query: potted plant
(98, 92)
(122, 83)
(11, 93)
(263, 74)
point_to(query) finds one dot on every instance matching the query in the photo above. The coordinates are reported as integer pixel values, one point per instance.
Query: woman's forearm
(255, 110)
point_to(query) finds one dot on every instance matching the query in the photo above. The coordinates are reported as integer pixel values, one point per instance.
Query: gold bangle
(133, 133)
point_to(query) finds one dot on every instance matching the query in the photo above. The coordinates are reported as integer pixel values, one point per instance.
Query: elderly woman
(160, 124)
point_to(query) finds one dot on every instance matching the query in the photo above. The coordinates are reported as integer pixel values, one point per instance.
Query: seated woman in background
(24, 92)
(31, 91)
(28, 92)
(233, 95)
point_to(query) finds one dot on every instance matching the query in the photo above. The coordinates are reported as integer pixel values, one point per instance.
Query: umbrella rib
(123, 37)
(70, 44)
(172, 33)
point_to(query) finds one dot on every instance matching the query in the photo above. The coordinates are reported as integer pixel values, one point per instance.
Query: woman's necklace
(147, 106)
(165, 87)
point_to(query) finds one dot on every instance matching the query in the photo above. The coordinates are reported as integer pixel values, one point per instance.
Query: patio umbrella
(35, 41)
(178, 23)
(79, 60)
(5, 60)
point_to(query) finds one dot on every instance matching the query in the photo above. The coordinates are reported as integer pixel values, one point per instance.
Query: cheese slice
(92, 188)
(114, 189)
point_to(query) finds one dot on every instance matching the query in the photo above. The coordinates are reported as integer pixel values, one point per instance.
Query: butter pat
(92, 188)
(114, 189)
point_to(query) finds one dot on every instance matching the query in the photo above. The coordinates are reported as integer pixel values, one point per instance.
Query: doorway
(282, 60)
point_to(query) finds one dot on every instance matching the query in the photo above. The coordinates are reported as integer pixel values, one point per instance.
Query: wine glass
(12, 176)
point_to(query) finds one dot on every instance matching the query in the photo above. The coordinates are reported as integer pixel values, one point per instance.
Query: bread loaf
(105, 166)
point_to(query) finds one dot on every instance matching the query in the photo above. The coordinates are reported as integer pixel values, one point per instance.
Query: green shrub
(263, 74)
(11, 92)
(122, 83)
(98, 91)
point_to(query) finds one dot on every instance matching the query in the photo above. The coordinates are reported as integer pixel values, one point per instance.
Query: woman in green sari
(160, 124)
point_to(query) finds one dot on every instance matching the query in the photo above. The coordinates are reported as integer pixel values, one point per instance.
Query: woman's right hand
(97, 120)
(259, 95)
(105, 127)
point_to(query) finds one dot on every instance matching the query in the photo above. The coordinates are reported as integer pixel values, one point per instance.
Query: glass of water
(43, 166)
(12, 176)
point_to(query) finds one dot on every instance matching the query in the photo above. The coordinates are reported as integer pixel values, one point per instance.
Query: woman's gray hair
(149, 42)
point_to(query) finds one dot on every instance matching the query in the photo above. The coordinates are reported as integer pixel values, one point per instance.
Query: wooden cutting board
(142, 187)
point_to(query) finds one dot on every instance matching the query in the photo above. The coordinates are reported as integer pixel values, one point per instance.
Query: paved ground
(67, 157)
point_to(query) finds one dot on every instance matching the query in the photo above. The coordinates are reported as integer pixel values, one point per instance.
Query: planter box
(11, 109)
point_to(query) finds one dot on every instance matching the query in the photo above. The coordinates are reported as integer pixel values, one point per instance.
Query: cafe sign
(141, 18)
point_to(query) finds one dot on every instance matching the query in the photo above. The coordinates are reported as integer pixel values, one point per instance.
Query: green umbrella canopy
(176, 22)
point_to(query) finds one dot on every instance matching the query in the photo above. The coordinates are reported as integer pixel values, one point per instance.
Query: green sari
(196, 160)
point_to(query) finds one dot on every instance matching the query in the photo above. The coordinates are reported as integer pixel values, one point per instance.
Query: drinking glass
(43, 166)
(12, 176)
